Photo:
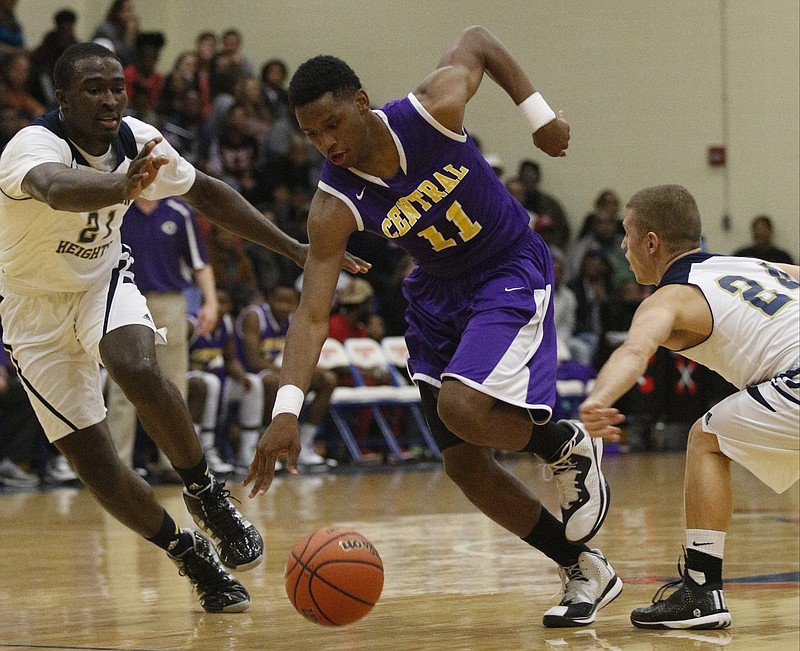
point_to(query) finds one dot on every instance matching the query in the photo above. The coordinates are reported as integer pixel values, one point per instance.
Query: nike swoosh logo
(513, 289)
(697, 544)
(360, 194)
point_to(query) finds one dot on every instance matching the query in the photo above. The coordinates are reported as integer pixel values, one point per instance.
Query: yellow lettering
(411, 213)
(436, 239)
(430, 189)
(467, 229)
(396, 217)
(386, 227)
(458, 173)
(417, 196)
(445, 181)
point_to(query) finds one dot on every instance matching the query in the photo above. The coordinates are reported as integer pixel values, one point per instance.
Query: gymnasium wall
(647, 86)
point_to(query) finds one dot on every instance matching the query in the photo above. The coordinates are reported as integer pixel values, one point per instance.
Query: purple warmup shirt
(446, 206)
(166, 246)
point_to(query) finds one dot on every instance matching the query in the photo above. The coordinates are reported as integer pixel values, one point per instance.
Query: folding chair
(395, 350)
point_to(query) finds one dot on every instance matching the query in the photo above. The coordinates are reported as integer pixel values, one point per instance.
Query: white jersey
(756, 316)
(43, 250)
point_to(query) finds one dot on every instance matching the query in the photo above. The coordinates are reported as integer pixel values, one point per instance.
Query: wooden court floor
(73, 578)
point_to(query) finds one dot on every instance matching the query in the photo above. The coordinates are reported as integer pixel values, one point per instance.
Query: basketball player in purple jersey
(480, 319)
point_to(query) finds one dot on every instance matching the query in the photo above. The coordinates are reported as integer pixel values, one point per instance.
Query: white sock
(308, 432)
(706, 541)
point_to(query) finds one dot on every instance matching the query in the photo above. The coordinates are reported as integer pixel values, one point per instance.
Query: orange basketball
(334, 576)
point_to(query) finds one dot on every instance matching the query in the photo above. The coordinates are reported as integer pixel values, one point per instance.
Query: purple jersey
(166, 245)
(273, 334)
(446, 206)
(207, 353)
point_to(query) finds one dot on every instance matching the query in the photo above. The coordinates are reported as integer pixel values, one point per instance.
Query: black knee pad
(444, 437)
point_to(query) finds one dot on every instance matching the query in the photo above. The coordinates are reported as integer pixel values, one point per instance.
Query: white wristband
(536, 111)
(289, 400)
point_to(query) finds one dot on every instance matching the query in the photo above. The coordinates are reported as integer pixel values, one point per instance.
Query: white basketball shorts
(759, 428)
(53, 340)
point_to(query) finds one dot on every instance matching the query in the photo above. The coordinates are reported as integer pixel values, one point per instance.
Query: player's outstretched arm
(476, 51)
(227, 208)
(651, 327)
(330, 223)
(79, 190)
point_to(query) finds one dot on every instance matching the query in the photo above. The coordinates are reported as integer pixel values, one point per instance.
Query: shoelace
(569, 578)
(217, 500)
(659, 595)
(565, 472)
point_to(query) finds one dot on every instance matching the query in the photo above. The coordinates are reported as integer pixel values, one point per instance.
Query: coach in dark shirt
(762, 248)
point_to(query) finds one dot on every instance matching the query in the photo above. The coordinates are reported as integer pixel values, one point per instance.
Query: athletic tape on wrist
(536, 111)
(289, 400)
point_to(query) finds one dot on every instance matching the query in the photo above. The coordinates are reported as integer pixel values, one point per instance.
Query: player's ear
(362, 100)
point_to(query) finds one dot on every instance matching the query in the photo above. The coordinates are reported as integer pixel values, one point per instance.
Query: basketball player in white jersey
(741, 318)
(70, 303)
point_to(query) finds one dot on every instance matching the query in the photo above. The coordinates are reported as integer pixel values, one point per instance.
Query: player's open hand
(553, 137)
(601, 421)
(351, 263)
(143, 169)
(282, 436)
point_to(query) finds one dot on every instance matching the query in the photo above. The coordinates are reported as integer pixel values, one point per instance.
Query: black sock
(710, 566)
(549, 538)
(172, 539)
(548, 440)
(197, 478)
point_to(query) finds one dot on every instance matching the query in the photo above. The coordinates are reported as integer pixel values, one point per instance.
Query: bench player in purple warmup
(480, 318)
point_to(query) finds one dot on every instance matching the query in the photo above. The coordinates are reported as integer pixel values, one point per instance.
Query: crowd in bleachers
(230, 117)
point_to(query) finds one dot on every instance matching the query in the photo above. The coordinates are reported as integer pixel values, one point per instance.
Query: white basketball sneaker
(582, 488)
(588, 586)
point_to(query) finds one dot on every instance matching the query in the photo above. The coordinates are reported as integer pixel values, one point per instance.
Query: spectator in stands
(261, 330)
(233, 155)
(274, 74)
(180, 80)
(14, 87)
(606, 203)
(543, 204)
(187, 131)
(43, 58)
(12, 39)
(143, 81)
(356, 316)
(231, 57)
(602, 236)
(206, 51)
(762, 246)
(119, 30)
(592, 287)
(259, 119)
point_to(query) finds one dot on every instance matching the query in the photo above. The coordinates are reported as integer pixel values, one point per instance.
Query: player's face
(93, 104)
(336, 127)
(635, 244)
(283, 303)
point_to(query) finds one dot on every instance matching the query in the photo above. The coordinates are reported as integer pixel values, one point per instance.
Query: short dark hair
(65, 17)
(65, 64)
(671, 212)
(320, 75)
(764, 219)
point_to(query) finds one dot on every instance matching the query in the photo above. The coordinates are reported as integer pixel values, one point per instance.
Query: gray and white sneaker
(582, 488)
(14, 476)
(588, 586)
